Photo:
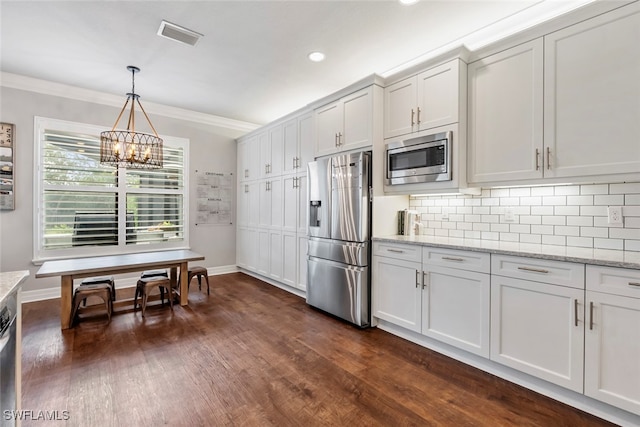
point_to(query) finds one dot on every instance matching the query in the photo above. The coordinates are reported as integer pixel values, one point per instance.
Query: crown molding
(16, 81)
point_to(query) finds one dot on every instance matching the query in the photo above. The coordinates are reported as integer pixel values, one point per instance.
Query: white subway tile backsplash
(632, 199)
(530, 238)
(567, 210)
(601, 232)
(542, 229)
(593, 210)
(615, 200)
(530, 219)
(554, 240)
(585, 221)
(520, 192)
(580, 200)
(608, 244)
(567, 190)
(571, 215)
(509, 237)
(542, 191)
(564, 230)
(531, 201)
(626, 188)
(583, 242)
(554, 220)
(543, 210)
(594, 189)
(554, 200)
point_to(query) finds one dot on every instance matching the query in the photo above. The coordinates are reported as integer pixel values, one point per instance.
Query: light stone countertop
(605, 257)
(9, 282)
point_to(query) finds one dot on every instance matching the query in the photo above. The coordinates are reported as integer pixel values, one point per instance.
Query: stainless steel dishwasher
(8, 331)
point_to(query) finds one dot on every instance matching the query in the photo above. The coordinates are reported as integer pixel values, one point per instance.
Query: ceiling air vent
(178, 33)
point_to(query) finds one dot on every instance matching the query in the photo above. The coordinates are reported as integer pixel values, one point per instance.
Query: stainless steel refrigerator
(339, 218)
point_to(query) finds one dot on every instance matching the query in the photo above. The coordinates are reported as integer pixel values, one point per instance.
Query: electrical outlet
(445, 216)
(508, 215)
(614, 215)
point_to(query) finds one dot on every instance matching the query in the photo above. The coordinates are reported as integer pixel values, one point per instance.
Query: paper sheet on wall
(214, 195)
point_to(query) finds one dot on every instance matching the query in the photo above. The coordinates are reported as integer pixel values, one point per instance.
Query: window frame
(41, 254)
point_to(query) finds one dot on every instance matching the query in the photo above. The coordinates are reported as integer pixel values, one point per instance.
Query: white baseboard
(121, 283)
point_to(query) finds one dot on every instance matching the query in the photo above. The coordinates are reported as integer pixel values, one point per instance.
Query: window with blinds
(85, 206)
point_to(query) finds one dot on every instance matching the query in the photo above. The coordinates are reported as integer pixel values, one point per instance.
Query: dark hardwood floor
(251, 354)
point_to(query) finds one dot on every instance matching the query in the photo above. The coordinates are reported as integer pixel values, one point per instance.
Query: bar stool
(101, 290)
(198, 272)
(102, 279)
(144, 287)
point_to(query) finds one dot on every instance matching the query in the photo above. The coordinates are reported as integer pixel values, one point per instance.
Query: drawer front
(539, 270)
(463, 260)
(612, 280)
(399, 251)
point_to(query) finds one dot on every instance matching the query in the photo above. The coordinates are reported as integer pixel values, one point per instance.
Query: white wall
(211, 149)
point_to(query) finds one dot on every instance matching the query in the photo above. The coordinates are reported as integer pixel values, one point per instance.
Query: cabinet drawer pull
(448, 258)
(398, 251)
(537, 159)
(575, 312)
(548, 158)
(417, 279)
(535, 270)
(591, 315)
(636, 284)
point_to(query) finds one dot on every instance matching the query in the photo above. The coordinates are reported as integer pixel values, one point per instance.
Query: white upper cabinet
(248, 159)
(297, 144)
(582, 123)
(425, 101)
(271, 146)
(505, 115)
(346, 124)
(592, 96)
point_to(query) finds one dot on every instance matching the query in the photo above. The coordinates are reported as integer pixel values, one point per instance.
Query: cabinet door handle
(398, 251)
(339, 139)
(575, 312)
(535, 270)
(418, 121)
(246, 188)
(591, 315)
(417, 279)
(448, 258)
(336, 141)
(246, 173)
(425, 279)
(537, 159)
(637, 284)
(294, 163)
(412, 114)
(297, 162)
(548, 158)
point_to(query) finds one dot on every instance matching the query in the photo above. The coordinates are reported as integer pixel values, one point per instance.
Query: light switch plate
(614, 215)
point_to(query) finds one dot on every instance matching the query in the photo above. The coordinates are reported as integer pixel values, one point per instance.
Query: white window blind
(86, 208)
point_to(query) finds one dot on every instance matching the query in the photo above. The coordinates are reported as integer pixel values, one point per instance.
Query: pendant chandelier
(128, 148)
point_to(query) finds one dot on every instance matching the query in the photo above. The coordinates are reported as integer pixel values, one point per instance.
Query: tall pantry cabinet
(271, 229)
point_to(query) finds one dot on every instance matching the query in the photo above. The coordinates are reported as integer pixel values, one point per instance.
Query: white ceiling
(251, 65)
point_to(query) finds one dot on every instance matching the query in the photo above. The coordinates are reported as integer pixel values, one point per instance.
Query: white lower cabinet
(397, 291)
(537, 318)
(449, 304)
(538, 328)
(612, 337)
(456, 307)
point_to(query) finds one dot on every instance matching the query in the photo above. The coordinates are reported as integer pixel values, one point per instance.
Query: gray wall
(211, 149)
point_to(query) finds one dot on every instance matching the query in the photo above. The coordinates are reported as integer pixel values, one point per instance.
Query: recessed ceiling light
(408, 2)
(316, 56)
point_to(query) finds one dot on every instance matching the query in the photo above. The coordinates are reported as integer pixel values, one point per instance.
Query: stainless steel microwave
(421, 159)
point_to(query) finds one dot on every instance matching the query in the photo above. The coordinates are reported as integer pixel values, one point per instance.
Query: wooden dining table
(77, 268)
